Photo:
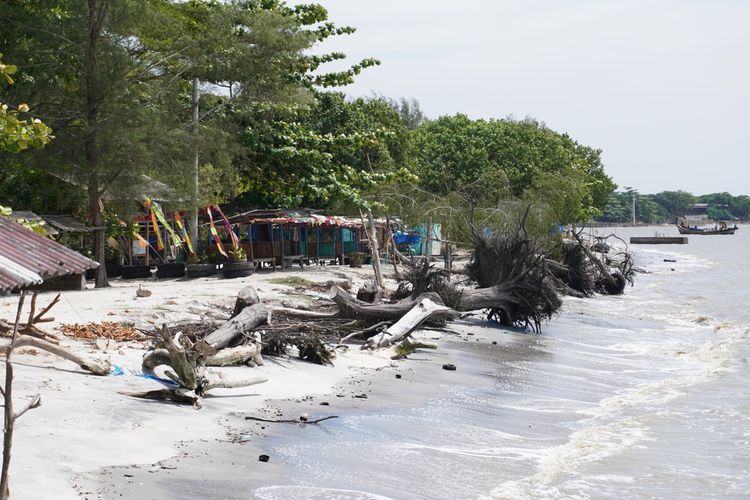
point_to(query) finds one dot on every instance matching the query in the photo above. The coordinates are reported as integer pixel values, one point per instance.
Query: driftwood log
(95, 366)
(187, 369)
(351, 308)
(244, 323)
(402, 328)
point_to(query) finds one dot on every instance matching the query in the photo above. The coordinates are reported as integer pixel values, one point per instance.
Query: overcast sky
(660, 86)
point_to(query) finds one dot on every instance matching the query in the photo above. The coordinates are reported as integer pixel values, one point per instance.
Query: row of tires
(175, 270)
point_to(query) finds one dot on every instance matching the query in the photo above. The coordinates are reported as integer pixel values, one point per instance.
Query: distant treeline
(670, 205)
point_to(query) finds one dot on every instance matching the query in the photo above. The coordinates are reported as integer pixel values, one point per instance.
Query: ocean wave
(284, 492)
(610, 429)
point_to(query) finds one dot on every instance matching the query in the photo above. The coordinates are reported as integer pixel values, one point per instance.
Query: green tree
(675, 204)
(257, 52)
(334, 153)
(519, 158)
(92, 79)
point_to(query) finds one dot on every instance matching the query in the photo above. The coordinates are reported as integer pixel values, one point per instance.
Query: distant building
(697, 213)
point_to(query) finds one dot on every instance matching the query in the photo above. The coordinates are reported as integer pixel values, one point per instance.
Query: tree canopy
(487, 160)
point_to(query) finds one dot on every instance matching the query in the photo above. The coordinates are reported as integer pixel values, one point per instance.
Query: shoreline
(229, 467)
(107, 444)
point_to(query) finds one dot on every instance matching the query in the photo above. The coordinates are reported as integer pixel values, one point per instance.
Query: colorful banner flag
(183, 232)
(156, 209)
(159, 242)
(214, 233)
(228, 227)
(141, 240)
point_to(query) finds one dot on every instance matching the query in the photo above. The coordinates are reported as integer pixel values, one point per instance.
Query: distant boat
(721, 229)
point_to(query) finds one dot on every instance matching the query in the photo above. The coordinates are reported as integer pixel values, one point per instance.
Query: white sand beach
(85, 424)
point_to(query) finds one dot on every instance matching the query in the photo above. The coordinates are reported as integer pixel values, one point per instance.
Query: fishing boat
(722, 228)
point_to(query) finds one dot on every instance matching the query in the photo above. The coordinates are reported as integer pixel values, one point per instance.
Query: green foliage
(485, 161)
(237, 255)
(674, 204)
(724, 206)
(35, 225)
(16, 133)
(34, 189)
(331, 154)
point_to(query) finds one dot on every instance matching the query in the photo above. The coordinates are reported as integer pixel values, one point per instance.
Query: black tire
(237, 270)
(201, 270)
(113, 270)
(171, 270)
(136, 272)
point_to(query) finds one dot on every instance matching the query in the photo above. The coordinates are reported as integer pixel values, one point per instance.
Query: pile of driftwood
(510, 276)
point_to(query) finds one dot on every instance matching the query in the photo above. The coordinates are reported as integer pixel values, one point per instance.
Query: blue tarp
(401, 238)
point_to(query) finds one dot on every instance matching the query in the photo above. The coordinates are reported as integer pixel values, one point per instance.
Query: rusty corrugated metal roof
(25, 254)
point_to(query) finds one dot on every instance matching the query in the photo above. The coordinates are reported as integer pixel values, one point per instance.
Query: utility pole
(196, 167)
(634, 209)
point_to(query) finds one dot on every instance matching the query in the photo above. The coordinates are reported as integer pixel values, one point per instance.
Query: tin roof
(28, 258)
(66, 224)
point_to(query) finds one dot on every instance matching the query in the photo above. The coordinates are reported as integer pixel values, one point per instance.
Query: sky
(660, 86)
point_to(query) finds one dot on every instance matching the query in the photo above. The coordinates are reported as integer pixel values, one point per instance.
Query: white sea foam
(283, 492)
(611, 428)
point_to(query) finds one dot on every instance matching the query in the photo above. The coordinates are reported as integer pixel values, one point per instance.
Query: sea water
(643, 395)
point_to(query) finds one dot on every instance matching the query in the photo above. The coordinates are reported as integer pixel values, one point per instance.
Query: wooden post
(375, 250)
(250, 240)
(317, 244)
(341, 245)
(450, 260)
(428, 253)
(166, 244)
(273, 246)
(148, 247)
(307, 243)
(333, 228)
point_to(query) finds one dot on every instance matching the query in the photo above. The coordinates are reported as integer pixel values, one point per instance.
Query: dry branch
(291, 421)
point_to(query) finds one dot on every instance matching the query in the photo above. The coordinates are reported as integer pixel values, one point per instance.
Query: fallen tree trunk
(95, 366)
(225, 357)
(367, 332)
(350, 307)
(217, 380)
(236, 355)
(245, 322)
(598, 263)
(402, 328)
(182, 361)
